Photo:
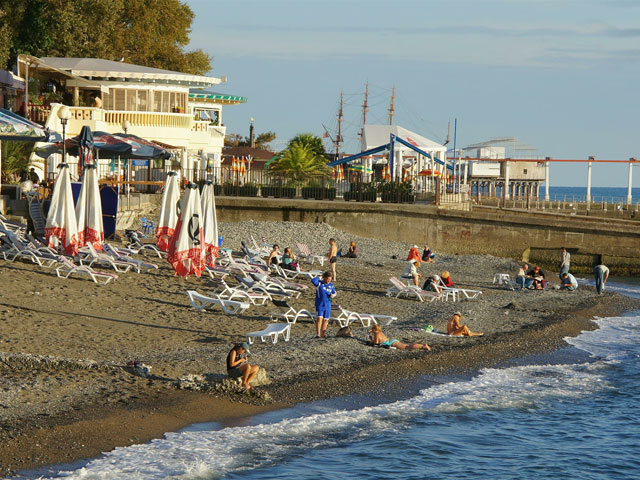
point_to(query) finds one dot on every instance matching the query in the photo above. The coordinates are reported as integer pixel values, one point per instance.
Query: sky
(560, 75)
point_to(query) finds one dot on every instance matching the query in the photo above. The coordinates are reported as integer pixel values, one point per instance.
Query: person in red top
(414, 254)
(446, 279)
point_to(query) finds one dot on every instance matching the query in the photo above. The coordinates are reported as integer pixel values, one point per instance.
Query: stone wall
(533, 236)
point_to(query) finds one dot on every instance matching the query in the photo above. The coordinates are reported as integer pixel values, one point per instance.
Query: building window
(525, 171)
(119, 99)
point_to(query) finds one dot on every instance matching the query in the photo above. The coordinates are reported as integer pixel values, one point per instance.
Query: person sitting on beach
(521, 277)
(413, 254)
(325, 291)
(332, 255)
(411, 272)
(352, 252)
(376, 337)
(431, 284)
(238, 365)
(428, 255)
(455, 328)
(568, 282)
(446, 279)
(535, 279)
(289, 260)
(273, 259)
(601, 273)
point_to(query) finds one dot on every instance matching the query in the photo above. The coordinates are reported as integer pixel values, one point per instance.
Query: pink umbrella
(168, 212)
(209, 224)
(62, 226)
(186, 248)
(89, 210)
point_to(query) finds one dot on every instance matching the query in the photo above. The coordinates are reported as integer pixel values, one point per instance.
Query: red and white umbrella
(89, 210)
(169, 212)
(61, 228)
(209, 224)
(186, 248)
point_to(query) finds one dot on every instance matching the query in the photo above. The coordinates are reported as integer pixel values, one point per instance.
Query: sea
(566, 415)
(610, 195)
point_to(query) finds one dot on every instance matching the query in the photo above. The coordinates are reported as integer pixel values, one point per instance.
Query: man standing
(565, 262)
(602, 275)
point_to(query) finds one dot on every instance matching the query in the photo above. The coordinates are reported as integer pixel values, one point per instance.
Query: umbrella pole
(118, 177)
(128, 185)
(0, 164)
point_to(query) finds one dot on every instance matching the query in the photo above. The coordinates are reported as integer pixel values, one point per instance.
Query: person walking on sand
(238, 365)
(379, 338)
(325, 291)
(565, 261)
(602, 275)
(332, 255)
(456, 329)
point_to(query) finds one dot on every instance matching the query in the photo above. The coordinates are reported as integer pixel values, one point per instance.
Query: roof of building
(376, 135)
(98, 68)
(217, 98)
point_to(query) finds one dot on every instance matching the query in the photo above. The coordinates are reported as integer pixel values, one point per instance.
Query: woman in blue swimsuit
(379, 338)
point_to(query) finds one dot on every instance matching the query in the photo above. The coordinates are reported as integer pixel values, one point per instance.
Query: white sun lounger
(399, 289)
(346, 317)
(228, 292)
(291, 315)
(272, 330)
(18, 249)
(68, 268)
(230, 307)
(89, 255)
(305, 252)
(139, 266)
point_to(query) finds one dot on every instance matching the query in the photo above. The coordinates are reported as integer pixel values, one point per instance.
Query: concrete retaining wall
(496, 232)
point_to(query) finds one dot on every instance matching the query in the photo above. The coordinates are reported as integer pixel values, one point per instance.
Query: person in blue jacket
(325, 291)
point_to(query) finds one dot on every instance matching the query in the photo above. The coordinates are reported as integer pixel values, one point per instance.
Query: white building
(155, 104)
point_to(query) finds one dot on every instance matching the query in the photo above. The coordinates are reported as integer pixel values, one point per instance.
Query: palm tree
(314, 141)
(15, 158)
(299, 161)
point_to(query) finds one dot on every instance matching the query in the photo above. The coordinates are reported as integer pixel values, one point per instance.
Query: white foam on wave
(211, 454)
(615, 339)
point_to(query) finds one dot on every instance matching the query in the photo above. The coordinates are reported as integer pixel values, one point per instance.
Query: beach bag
(345, 332)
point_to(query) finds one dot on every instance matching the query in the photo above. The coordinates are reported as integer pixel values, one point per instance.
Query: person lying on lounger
(378, 338)
(455, 328)
(238, 365)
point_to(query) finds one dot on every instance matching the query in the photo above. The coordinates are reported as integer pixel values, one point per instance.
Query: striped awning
(219, 98)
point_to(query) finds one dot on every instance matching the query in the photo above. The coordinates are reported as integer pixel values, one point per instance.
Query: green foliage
(299, 162)
(146, 32)
(313, 141)
(15, 158)
(261, 140)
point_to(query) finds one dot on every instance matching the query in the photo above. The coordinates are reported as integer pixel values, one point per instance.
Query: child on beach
(332, 255)
(238, 365)
(427, 254)
(379, 338)
(325, 291)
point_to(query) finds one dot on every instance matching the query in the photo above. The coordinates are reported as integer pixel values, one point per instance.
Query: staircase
(36, 213)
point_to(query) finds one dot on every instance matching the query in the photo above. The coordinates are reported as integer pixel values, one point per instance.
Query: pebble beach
(64, 343)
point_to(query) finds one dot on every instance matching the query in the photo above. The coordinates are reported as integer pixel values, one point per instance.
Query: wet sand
(63, 343)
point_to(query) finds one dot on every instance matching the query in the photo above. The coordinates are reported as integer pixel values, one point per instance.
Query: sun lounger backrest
(281, 303)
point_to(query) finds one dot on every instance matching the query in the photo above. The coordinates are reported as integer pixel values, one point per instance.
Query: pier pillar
(506, 180)
(589, 183)
(629, 194)
(546, 179)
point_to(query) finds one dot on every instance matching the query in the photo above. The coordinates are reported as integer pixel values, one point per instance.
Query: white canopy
(376, 135)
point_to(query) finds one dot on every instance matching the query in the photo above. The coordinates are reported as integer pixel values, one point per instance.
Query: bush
(247, 190)
(316, 192)
(277, 191)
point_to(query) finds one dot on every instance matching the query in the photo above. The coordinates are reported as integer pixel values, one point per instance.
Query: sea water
(570, 415)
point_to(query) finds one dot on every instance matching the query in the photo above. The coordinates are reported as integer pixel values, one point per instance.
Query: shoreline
(96, 430)
(66, 396)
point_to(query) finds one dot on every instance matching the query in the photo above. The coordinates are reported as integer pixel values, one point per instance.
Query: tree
(299, 162)
(261, 141)
(15, 158)
(153, 33)
(314, 142)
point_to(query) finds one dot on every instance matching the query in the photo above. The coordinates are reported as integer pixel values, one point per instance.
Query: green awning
(217, 98)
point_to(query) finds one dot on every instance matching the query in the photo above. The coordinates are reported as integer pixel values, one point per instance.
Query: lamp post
(126, 125)
(64, 114)
(252, 140)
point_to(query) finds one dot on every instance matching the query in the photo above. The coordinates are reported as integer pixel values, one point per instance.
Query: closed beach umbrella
(186, 248)
(169, 211)
(209, 224)
(89, 210)
(85, 148)
(62, 226)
